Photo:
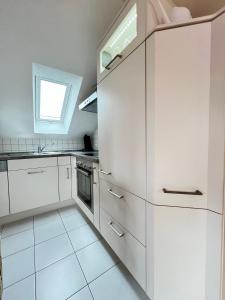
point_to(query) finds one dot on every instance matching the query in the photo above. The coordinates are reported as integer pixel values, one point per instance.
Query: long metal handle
(68, 173)
(120, 234)
(114, 194)
(105, 173)
(82, 172)
(195, 193)
(109, 64)
(35, 172)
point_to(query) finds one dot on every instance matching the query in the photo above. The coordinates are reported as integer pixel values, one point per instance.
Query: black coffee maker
(87, 143)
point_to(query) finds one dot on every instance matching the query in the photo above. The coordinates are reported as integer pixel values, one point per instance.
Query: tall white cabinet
(185, 158)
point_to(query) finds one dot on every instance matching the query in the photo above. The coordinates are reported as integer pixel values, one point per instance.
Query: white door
(183, 253)
(4, 194)
(65, 183)
(121, 106)
(33, 188)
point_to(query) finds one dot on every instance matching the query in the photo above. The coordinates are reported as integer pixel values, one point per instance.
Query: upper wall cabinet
(185, 116)
(127, 32)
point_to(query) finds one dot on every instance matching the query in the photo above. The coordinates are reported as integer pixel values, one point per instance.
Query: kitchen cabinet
(65, 183)
(33, 187)
(121, 125)
(183, 253)
(96, 195)
(4, 194)
(185, 116)
(74, 178)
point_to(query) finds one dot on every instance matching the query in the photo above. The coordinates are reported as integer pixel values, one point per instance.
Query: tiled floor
(59, 256)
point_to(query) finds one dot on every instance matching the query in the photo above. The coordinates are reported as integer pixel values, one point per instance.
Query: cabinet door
(4, 194)
(121, 104)
(180, 119)
(65, 183)
(96, 195)
(74, 178)
(125, 35)
(183, 253)
(33, 188)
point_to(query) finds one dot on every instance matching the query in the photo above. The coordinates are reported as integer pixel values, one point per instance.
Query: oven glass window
(84, 187)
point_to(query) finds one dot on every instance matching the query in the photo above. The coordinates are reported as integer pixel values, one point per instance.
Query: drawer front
(128, 249)
(124, 207)
(23, 164)
(63, 160)
(33, 188)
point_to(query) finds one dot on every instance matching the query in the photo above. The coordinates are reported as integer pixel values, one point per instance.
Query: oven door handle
(82, 172)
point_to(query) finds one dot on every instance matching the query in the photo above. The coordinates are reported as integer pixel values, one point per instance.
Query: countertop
(27, 155)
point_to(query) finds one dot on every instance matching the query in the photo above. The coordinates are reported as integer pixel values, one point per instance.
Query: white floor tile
(83, 237)
(48, 231)
(51, 251)
(84, 294)
(60, 280)
(18, 266)
(23, 290)
(117, 284)
(73, 222)
(68, 211)
(17, 227)
(95, 260)
(17, 242)
(49, 217)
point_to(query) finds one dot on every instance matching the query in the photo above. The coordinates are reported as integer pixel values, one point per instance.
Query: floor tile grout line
(11, 235)
(35, 281)
(4, 257)
(104, 272)
(8, 286)
(77, 259)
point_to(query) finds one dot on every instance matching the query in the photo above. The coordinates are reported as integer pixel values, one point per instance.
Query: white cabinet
(185, 116)
(65, 183)
(96, 195)
(4, 194)
(32, 188)
(74, 178)
(124, 36)
(183, 253)
(121, 116)
(129, 250)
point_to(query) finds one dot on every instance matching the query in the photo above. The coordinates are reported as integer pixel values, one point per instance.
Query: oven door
(85, 187)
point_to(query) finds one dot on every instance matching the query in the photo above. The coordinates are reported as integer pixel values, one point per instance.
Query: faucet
(41, 148)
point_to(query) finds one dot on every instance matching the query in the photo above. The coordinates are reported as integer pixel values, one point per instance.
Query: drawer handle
(120, 234)
(195, 193)
(109, 64)
(68, 173)
(114, 194)
(36, 172)
(105, 173)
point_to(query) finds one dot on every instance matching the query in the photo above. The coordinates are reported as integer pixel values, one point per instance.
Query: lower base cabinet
(129, 250)
(4, 194)
(65, 183)
(32, 188)
(183, 253)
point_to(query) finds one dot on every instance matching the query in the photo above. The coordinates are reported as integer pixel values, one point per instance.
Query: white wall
(62, 34)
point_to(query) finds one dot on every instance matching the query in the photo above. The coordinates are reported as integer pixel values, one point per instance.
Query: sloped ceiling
(201, 7)
(63, 34)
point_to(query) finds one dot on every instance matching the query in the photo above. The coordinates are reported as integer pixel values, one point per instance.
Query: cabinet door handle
(35, 172)
(68, 173)
(120, 234)
(114, 194)
(109, 64)
(195, 193)
(105, 173)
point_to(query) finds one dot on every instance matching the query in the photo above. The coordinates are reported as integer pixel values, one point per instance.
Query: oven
(85, 183)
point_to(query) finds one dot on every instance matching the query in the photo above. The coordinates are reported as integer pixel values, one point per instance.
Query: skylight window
(55, 94)
(52, 97)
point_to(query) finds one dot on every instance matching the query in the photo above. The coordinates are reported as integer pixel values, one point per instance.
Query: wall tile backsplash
(8, 144)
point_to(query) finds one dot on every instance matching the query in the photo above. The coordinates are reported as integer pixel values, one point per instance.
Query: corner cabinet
(4, 194)
(65, 178)
(186, 116)
(121, 117)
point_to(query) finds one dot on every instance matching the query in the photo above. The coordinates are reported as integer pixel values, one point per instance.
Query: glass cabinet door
(121, 38)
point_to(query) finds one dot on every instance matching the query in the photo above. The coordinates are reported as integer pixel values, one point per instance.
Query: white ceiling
(201, 7)
(62, 34)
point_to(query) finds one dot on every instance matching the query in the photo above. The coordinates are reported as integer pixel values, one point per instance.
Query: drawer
(32, 163)
(63, 160)
(126, 208)
(129, 250)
